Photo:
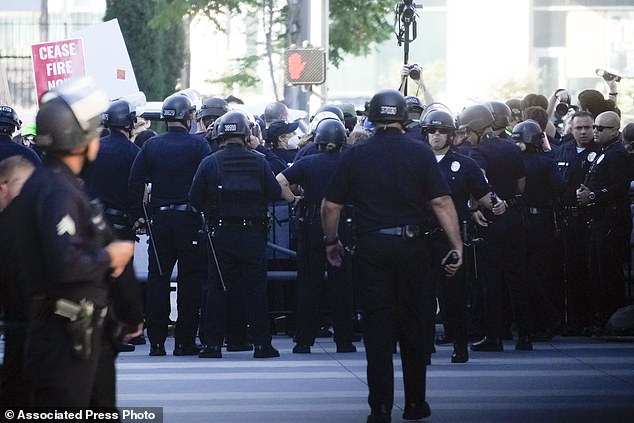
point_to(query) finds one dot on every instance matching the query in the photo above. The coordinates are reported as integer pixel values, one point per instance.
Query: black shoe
(191, 349)
(444, 339)
(524, 344)
(460, 353)
(416, 411)
(157, 350)
(488, 345)
(239, 347)
(210, 351)
(346, 347)
(380, 415)
(137, 340)
(301, 349)
(125, 347)
(265, 351)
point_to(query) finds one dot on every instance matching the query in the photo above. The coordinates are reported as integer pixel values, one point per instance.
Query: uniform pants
(609, 238)
(59, 379)
(241, 253)
(393, 279)
(177, 238)
(453, 292)
(503, 267)
(576, 240)
(311, 284)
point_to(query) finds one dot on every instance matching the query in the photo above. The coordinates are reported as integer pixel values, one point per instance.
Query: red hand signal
(295, 65)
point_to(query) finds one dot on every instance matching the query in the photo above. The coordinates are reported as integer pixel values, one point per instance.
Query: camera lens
(414, 72)
(561, 110)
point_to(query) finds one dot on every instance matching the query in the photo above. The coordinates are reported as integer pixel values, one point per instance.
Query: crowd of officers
(511, 213)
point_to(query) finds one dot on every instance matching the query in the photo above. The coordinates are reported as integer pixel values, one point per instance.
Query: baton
(213, 251)
(148, 224)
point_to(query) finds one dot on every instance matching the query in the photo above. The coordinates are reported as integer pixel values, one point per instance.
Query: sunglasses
(442, 131)
(600, 128)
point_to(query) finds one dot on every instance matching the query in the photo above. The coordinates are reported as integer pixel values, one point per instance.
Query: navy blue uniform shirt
(388, 180)
(169, 161)
(609, 176)
(314, 174)
(9, 148)
(573, 166)
(543, 182)
(58, 232)
(502, 163)
(465, 179)
(107, 177)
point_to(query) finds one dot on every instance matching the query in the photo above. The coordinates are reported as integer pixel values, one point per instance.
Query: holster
(83, 318)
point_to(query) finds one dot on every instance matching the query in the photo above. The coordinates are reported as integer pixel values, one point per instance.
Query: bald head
(606, 127)
(14, 171)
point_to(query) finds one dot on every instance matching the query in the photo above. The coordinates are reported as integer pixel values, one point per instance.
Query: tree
(156, 52)
(355, 25)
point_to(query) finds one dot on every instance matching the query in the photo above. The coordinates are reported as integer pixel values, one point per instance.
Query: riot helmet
(438, 118)
(212, 109)
(9, 121)
(234, 124)
(476, 118)
(332, 109)
(528, 132)
(387, 106)
(319, 117)
(414, 105)
(70, 115)
(177, 108)
(120, 114)
(501, 114)
(330, 131)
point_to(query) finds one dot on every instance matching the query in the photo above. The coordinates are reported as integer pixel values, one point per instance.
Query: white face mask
(293, 141)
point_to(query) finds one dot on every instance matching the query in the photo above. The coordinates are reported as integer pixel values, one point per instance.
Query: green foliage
(355, 25)
(156, 53)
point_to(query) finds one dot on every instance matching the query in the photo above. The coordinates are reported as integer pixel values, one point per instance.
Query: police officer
(573, 161)
(15, 387)
(502, 117)
(9, 123)
(169, 162)
(503, 263)
(233, 187)
(69, 288)
(465, 181)
(389, 181)
(211, 110)
(106, 181)
(314, 173)
(606, 195)
(543, 189)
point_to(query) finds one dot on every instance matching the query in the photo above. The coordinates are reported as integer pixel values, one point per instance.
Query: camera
(607, 76)
(414, 71)
(561, 109)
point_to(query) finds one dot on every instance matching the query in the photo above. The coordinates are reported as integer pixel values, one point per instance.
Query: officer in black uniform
(69, 287)
(107, 182)
(9, 123)
(503, 258)
(606, 195)
(573, 161)
(465, 181)
(543, 188)
(169, 161)
(390, 181)
(15, 386)
(314, 173)
(233, 187)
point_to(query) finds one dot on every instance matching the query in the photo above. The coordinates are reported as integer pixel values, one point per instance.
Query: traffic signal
(305, 66)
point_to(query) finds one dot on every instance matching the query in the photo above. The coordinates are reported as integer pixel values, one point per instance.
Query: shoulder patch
(66, 226)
